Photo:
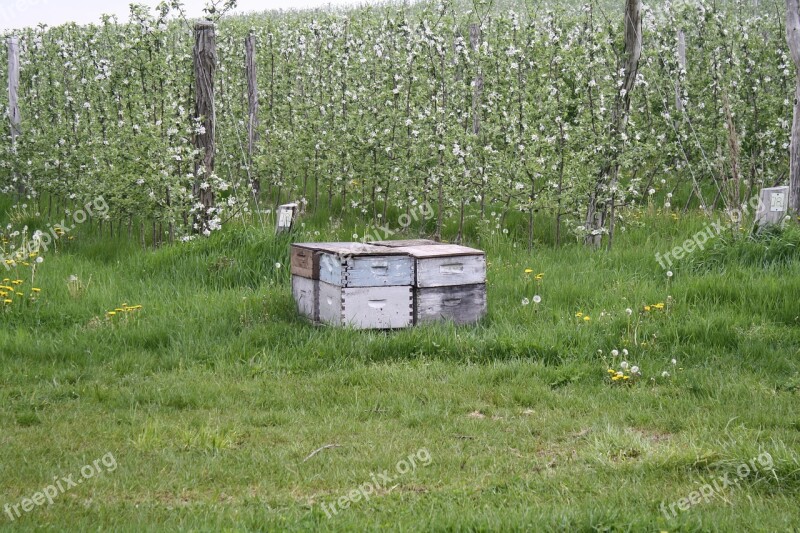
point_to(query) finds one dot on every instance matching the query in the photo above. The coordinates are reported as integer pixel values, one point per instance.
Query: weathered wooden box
(446, 265)
(460, 304)
(388, 284)
(352, 264)
(306, 294)
(366, 307)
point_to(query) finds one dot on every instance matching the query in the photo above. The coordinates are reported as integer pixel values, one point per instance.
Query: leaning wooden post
(681, 70)
(13, 97)
(252, 106)
(793, 40)
(477, 82)
(13, 88)
(205, 65)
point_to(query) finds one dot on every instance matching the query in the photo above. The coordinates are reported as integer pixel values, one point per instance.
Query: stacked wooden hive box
(388, 284)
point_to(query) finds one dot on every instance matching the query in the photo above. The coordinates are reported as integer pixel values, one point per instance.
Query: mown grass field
(212, 396)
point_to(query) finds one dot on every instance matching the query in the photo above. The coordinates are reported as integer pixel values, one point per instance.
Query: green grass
(211, 397)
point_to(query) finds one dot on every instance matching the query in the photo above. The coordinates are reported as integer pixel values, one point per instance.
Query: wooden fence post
(477, 82)
(681, 67)
(252, 106)
(205, 66)
(13, 88)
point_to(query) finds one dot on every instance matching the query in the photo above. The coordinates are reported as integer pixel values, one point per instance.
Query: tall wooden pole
(793, 40)
(205, 66)
(477, 82)
(252, 106)
(682, 67)
(13, 88)
(14, 116)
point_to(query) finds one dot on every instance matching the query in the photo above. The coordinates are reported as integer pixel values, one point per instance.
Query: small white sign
(286, 217)
(777, 203)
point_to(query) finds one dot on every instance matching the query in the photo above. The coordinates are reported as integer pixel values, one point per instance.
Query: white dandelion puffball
(525, 301)
(40, 259)
(615, 352)
(674, 362)
(665, 374)
(278, 265)
(669, 273)
(634, 370)
(537, 299)
(624, 351)
(629, 311)
(623, 365)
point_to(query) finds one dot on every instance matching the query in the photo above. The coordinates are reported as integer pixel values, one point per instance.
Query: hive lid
(347, 248)
(407, 243)
(440, 250)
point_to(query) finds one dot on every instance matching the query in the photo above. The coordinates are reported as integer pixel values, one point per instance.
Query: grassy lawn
(212, 397)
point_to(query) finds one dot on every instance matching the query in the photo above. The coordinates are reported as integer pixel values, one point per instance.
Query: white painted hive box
(446, 265)
(365, 266)
(366, 307)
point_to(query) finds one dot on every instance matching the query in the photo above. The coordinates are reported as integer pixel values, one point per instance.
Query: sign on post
(773, 207)
(286, 216)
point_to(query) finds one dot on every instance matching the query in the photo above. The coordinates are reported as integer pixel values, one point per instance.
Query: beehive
(353, 284)
(388, 284)
(450, 283)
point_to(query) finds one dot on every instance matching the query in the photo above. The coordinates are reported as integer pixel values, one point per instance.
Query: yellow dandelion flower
(36, 290)
(111, 313)
(578, 314)
(17, 282)
(615, 378)
(118, 310)
(647, 308)
(626, 377)
(528, 270)
(659, 306)
(587, 318)
(611, 371)
(7, 301)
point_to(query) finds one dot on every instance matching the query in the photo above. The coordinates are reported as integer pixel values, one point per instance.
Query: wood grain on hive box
(365, 266)
(366, 307)
(447, 265)
(306, 293)
(305, 259)
(463, 304)
(352, 264)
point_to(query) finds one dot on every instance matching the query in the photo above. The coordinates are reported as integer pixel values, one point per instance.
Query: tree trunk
(682, 69)
(599, 205)
(793, 40)
(13, 99)
(252, 106)
(205, 65)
